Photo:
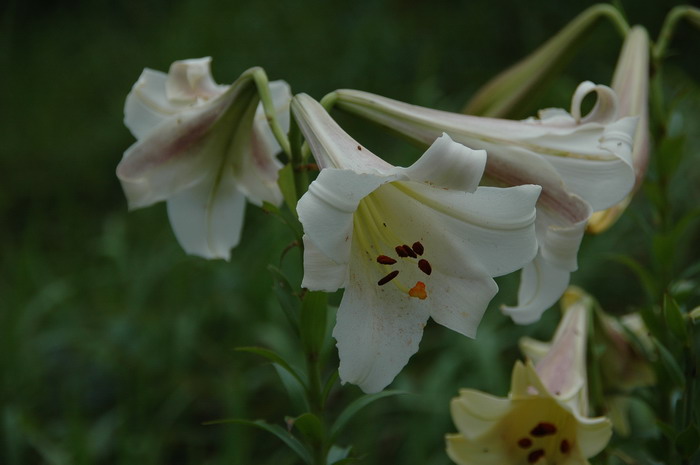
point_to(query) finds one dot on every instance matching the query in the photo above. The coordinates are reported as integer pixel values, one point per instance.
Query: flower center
(544, 441)
(397, 261)
(405, 251)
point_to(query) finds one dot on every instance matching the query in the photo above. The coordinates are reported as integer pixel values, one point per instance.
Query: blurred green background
(114, 345)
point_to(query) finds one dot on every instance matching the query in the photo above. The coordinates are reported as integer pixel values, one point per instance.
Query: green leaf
(310, 426)
(668, 361)
(667, 430)
(688, 441)
(669, 155)
(276, 359)
(356, 406)
(675, 319)
(347, 460)
(296, 392)
(339, 455)
(645, 277)
(329, 385)
(284, 435)
(314, 311)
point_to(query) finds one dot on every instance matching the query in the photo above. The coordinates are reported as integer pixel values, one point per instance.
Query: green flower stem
(510, 92)
(669, 27)
(263, 86)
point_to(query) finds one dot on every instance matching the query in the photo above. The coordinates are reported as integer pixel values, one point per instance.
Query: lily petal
(375, 340)
(207, 218)
(321, 273)
(449, 165)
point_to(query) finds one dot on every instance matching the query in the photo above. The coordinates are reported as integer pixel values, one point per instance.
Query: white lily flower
(583, 163)
(204, 148)
(405, 243)
(545, 417)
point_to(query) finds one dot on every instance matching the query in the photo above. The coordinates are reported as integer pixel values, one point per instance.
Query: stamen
(409, 251)
(524, 443)
(384, 260)
(418, 248)
(388, 278)
(535, 455)
(543, 429)
(418, 291)
(424, 266)
(565, 447)
(400, 251)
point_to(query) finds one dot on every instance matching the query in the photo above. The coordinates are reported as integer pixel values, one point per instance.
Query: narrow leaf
(669, 362)
(310, 426)
(675, 319)
(277, 359)
(284, 435)
(356, 406)
(645, 277)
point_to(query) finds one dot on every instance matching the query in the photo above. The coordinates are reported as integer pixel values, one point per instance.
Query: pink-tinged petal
(541, 285)
(183, 149)
(207, 219)
(584, 152)
(146, 105)
(449, 165)
(190, 81)
(321, 273)
(256, 168)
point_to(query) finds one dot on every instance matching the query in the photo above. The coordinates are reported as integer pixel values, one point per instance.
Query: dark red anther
(418, 248)
(425, 266)
(543, 429)
(524, 443)
(535, 455)
(384, 260)
(388, 278)
(409, 251)
(400, 251)
(565, 447)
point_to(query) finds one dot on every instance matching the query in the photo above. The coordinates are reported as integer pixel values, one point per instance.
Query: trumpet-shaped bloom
(544, 419)
(631, 83)
(203, 148)
(583, 163)
(405, 243)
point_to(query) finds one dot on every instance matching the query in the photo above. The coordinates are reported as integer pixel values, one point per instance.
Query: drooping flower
(583, 163)
(203, 148)
(405, 243)
(544, 419)
(631, 84)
